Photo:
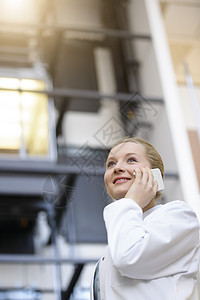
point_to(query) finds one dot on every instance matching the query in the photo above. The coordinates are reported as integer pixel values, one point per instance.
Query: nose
(119, 169)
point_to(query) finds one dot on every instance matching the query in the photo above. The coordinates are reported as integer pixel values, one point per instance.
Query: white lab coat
(150, 256)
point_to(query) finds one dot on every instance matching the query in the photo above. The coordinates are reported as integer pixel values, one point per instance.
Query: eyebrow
(127, 154)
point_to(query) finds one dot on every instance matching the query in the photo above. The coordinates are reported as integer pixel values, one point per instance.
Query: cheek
(106, 179)
(131, 169)
(142, 165)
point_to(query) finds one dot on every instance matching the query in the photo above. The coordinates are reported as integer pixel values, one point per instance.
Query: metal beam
(123, 34)
(190, 3)
(30, 259)
(47, 169)
(82, 94)
(56, 169)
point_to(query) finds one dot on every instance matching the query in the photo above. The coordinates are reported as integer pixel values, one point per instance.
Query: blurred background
(76, 76)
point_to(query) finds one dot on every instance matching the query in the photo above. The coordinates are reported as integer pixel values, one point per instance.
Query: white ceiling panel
(182, 19)
(182, 24)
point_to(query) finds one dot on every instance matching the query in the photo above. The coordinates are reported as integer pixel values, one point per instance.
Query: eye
(110, 164)
(132, 159)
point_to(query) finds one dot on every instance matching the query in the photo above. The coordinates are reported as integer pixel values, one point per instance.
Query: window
(24, 118)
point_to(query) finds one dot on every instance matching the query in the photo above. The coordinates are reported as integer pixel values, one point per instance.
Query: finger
(145, 174)
(138, 173)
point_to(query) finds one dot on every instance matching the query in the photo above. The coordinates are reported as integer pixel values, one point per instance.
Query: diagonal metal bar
(77, 272)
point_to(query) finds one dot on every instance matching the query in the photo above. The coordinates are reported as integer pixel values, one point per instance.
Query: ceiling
(55, 33)
(182, 22)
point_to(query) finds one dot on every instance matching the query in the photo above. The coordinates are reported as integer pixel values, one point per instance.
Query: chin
(119, 195)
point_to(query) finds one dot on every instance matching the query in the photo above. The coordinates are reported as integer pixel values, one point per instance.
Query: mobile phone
(158, 177)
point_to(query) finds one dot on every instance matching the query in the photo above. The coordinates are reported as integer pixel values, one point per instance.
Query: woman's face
(122, 160)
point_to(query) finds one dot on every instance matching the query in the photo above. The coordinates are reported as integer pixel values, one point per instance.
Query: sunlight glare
(13, 4)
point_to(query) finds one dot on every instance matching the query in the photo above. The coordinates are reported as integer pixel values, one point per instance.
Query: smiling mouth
(120, 180)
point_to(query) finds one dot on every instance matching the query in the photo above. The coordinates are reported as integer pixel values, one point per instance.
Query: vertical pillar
(109, 112)
(182, 149)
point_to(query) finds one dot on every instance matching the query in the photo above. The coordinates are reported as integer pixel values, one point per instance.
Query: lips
(120, 179)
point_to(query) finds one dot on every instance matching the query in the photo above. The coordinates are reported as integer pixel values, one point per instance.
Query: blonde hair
(151, 154)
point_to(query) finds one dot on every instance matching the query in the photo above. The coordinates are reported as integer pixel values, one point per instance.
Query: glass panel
(24, 121)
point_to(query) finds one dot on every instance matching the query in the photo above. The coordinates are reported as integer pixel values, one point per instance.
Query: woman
(153, 250)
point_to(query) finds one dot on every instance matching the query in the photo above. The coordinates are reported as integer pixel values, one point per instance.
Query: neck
(151, 204)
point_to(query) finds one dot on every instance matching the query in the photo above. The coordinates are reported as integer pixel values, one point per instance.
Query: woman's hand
(144, 187)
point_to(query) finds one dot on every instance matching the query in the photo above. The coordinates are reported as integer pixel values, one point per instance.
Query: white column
(174, 111)
(109, 115)
(105, 71)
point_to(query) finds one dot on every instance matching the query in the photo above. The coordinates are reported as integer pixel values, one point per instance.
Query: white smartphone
(158, 177)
